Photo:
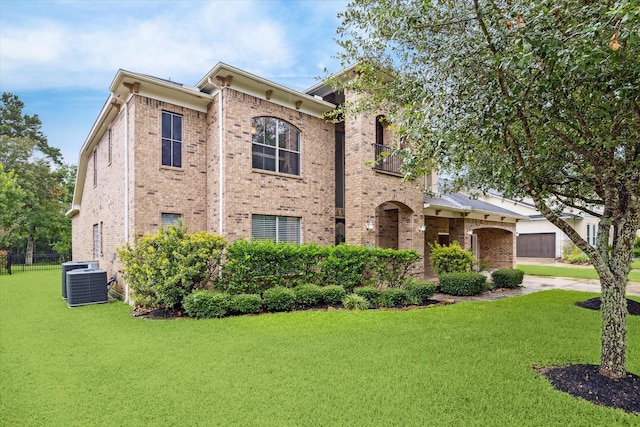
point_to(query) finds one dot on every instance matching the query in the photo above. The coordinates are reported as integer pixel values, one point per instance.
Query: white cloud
(181, 43)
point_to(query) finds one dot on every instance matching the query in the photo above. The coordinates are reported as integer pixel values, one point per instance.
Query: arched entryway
(394, 222)
(493, 247)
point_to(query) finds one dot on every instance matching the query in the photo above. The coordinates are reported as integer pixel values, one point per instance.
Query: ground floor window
(275, 228)
(96, 241)
(169, 219)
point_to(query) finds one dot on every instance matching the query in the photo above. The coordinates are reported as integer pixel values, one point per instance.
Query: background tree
(536, 99)
(10, 203)
(40, 174)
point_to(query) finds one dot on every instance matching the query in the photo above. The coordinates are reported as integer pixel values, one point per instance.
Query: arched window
(275, 145)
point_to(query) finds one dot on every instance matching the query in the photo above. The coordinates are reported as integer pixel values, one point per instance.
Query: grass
(635, 265)
(462, 364)
(575, 272)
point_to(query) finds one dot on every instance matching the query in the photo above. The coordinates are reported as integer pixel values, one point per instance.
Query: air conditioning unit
(73, 265)
(86, 286)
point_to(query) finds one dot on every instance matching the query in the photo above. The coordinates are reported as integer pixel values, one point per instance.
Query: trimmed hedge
(245, 303)
(278, 299)
(507, 278)
(204, 304)
(253, 267)
(420, 290)
(395, 297)
(369, 293)
(307, 295)
(462, 284)
(332, 294)
(355, 302)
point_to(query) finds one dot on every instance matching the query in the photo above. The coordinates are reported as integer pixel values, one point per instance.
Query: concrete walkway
(532, 284)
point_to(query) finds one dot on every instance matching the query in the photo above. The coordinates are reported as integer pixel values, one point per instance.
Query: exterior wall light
(369, 225)
(422, 228)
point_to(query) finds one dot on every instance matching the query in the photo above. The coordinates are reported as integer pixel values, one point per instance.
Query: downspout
(220, 158)
(221, 166)
(126, 187)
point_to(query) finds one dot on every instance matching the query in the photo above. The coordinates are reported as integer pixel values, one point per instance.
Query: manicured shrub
(395, 297)
(369, 293)
(332, 294)
(245, 303)
(278, 299)
(163, 268)
(205, 303)
(450, 259)
(636, 248)
(420, 290)
(307, 295)
(346, 265)
(507, 278)
(463, 284)
(573, 254)
(391, 266)
(355, 302)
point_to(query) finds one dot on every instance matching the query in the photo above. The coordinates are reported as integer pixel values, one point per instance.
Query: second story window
(171, 139)
(275, 145)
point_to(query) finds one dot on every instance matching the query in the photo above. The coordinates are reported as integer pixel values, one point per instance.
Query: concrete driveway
(532, 284)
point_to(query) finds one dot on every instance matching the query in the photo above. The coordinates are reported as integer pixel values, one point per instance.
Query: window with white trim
(275, 228)
(171, 139)
(110, 148)
(169, 219)
(95, 167)
(275, 145)
(592, 232)
(96, 241)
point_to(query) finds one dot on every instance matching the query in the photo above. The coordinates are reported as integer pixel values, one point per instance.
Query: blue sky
(60, 57)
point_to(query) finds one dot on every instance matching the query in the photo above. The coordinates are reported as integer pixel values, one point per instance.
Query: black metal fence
(12, 262)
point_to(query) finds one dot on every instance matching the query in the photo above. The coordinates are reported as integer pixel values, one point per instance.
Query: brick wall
(367, 190)
(103, 203)
(250, 191)
(161, 189)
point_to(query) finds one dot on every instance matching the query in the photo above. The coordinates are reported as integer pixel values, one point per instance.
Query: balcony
(387, 159)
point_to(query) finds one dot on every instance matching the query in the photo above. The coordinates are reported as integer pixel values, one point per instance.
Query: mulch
(586, 381)
(633, 307)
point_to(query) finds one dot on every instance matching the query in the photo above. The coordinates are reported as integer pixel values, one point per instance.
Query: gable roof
(224, 75)
(462, 203)
(124, 85)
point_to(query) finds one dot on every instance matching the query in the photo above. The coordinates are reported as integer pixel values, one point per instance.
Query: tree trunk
(28, 258)
(614, 326)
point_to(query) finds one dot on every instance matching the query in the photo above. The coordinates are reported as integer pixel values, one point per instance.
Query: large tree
(39, 172)
(537, 99)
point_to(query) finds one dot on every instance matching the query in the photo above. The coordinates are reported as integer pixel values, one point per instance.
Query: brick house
(243, 157)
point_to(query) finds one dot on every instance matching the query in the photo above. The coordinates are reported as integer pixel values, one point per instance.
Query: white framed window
(171, 139)
(95, 167)
(275, 145)
(96, 241)
(592, 232)
(169, 219)
(110, 148)
(276, 228)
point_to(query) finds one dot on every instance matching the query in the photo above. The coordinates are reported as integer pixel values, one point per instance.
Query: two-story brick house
(243, 157)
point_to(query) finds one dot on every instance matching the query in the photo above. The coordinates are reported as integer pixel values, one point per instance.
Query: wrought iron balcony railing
(387, 159)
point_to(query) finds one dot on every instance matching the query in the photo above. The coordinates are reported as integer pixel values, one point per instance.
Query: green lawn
(576, 272)
(464, 364)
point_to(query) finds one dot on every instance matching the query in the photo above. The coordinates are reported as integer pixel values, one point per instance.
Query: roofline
(323, 83)
(225, 75)
(125, 85)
